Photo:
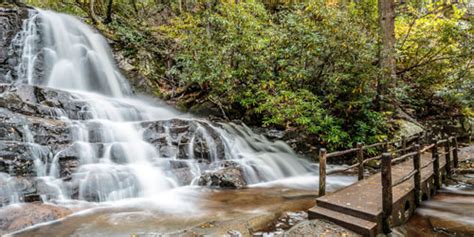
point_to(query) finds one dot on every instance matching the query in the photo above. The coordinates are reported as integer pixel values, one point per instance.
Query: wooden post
(385, 146)
(455, 152)
(417, 177)
(360, 160)
(386, 191)
(322, 172)
(418, 138)
(447, 149)
(435, 157)
(404, 145)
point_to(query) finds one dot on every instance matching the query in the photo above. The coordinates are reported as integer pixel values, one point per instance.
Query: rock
(13, 218)
(43, 131)
(15, 189)
(408, 128)
(42, 102)
(176, 138)
(229, 175)
(11, 21)
(17, 158)
(319, 228)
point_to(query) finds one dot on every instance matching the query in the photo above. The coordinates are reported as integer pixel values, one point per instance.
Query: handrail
(340, 153)
(427, 148)
(404, 156)
(428, 164)
(407, 177)
(373, 158)
(413, 152)
(450, 145)
(342, 170)
(375, 145)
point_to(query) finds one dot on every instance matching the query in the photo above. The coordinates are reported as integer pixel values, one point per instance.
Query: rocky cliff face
(11, 20)
(32, 131)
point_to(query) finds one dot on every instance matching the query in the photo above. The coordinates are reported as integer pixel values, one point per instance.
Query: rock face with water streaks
(11, 20)
(32, 130)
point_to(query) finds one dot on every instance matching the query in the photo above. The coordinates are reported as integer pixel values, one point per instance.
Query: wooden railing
(359, 152)
(450, 146)
(401, 153)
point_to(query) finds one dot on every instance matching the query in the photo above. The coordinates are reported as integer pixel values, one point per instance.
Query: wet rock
(69, 159)
(229, 175)
(21, 128)
(184, 139)
(17, 158)
(319, 228)
(13, 218)
(11, 20)
(42, 102)
(15, 189)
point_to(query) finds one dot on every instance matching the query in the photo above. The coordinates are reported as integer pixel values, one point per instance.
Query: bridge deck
(364, 198)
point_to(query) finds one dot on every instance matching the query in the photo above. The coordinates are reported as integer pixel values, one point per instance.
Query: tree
(108, 18)
(386, 11)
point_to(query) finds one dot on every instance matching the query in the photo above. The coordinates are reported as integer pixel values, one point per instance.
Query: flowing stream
(61, 52)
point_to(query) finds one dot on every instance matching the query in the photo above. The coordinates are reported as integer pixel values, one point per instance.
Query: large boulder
(228, 175)
(13, 218)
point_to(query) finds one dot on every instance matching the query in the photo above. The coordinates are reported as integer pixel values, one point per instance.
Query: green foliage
(306, 65)
(435, 57)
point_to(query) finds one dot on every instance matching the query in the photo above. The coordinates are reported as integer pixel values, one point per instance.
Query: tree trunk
(134, 5)
(386, 10)
(93, 16)
(108, 19)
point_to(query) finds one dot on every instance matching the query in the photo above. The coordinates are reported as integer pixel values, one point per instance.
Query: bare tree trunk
(386, 10)
(134, 4)
(94, 17)
(108, 19)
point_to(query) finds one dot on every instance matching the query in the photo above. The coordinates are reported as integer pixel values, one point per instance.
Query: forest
(331, 70)
(236, 118)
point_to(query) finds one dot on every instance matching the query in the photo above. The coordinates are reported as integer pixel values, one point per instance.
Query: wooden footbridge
(409, 174)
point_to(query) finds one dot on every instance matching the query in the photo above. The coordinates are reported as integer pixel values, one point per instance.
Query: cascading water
(71, 54)
(118, 158)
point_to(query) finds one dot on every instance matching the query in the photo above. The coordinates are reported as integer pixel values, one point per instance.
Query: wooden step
(348, 210)
(358, 225)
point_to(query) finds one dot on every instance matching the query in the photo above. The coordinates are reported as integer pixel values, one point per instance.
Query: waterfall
(117, 156)
(73, 55)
